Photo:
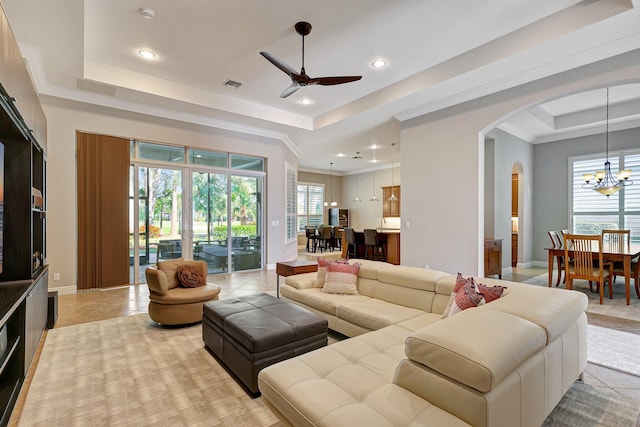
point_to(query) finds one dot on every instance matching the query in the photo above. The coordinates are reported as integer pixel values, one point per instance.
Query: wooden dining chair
(556, 241)
(618, 238)
(583, 265)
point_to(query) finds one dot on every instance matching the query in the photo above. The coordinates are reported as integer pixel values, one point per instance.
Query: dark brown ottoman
(250, 333)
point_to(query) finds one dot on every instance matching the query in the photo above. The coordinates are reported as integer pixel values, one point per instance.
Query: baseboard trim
(543, 264)
(65, 290)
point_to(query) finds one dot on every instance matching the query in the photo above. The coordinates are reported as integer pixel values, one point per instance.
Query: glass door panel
(246, 222)
(165, 212)
(210, 231)
(159, 219)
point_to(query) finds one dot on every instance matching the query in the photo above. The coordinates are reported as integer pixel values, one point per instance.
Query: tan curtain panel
(103, 211)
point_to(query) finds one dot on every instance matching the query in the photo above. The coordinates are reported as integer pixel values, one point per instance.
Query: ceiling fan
(302, 79)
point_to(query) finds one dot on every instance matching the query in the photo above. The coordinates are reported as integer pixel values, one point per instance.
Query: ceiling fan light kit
(301, 79)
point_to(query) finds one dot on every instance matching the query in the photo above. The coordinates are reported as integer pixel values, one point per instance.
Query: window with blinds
(291, 203)
(592, 212)
(310, 205)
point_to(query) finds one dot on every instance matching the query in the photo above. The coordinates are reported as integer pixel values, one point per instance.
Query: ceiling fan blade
(287, 69)
(290, 90)
(328, 81)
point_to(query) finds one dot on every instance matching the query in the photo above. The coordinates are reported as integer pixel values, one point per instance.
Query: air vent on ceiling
(232, 83)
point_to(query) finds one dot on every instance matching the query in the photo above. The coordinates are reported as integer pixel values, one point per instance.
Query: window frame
(621, 212)
(306, 215)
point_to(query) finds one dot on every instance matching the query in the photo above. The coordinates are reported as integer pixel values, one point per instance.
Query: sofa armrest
(302, 281)
(477, 347)
(156, 280)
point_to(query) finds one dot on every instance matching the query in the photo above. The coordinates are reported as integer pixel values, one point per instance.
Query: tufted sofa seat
(506, 363)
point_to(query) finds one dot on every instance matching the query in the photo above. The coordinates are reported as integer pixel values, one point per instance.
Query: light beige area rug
(130, 372)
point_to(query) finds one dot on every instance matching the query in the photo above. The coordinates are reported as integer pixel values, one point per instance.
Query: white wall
(443, 165)
(64, 119)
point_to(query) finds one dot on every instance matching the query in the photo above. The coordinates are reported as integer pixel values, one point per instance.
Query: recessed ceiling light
(147, 13)
(379, 63)
(146, 54)
(374, 147)
(341, 155)
(306, 101)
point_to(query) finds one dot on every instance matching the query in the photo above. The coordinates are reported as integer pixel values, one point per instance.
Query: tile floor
(124, 301)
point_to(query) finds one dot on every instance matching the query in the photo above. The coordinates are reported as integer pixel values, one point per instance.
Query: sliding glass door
(209, 220)
(159, 217)
(246, 227)
(226, 221)
(195, 204)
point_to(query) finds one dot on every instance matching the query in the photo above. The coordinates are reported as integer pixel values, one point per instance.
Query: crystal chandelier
(333, 202)
(605, 182)
(393, 197)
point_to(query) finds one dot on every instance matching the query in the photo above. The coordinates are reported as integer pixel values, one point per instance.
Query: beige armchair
(171, 304)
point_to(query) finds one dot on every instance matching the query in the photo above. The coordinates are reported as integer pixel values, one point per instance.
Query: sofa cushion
(368, 268)
(180, 295)
(477, 347)
(411, 277)
(170, 269)
(316, 299)
(374, 313)
(553, 311)
(341, 279)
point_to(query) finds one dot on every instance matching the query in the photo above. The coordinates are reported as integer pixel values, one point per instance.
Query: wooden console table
(289, 268)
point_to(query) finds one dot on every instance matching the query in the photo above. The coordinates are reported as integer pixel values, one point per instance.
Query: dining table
(614, 252)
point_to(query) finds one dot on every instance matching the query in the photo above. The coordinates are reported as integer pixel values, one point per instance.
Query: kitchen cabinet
(514, 249)
(390, 208)
(393, 246)
(493, 257)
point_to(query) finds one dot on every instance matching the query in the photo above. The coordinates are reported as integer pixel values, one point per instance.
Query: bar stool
(372, 242)
(350, 240)
(310, 232)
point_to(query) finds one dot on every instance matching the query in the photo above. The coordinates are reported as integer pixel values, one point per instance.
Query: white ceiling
(439, 54)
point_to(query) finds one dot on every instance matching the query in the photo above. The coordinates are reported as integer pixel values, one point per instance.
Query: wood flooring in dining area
(96, 305)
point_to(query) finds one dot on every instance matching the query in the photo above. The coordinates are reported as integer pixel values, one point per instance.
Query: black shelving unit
(24, 273)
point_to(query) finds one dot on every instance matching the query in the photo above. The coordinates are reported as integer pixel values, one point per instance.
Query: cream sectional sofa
(506, 363)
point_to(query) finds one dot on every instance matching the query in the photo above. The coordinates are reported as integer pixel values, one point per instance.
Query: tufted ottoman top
(261, 322)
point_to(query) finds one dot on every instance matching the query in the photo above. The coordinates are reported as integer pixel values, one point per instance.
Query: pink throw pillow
(491, 293)
(322, 269)
(467, 297)
(460, 282)
(341, 279)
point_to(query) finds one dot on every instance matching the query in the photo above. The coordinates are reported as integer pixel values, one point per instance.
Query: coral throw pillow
(322, 269)
(467, 297)
(341, 278)
(190, 276)
(460, 282)
(491, 293)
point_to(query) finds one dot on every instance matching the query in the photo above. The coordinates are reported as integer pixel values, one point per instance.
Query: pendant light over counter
(374, 198)
(356, 199)
(393, 197)
(333, 202)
